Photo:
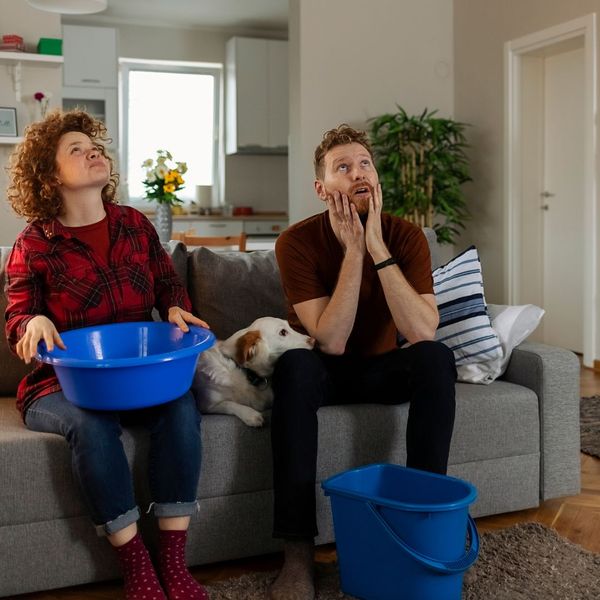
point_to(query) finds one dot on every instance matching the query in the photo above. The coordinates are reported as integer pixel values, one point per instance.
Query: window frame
(171, 66)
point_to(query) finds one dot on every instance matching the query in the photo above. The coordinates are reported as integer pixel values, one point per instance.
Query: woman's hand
(38, 329)
(181, 318)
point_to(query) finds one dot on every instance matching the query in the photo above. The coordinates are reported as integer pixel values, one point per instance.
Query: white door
(562, 198)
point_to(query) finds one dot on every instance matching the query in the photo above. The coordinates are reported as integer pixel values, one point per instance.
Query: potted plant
(422, 164)
(163, 179)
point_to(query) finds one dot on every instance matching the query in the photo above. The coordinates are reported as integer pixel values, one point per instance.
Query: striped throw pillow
(464, 321)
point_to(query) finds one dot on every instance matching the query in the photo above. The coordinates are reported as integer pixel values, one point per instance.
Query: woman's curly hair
(342, 134)
(33, 187)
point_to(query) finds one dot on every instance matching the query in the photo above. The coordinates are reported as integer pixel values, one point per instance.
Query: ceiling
(227, 14)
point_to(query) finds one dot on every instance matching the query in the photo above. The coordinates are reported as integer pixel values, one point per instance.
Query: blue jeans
(100, 464)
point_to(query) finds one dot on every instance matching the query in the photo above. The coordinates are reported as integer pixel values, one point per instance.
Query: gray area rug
(590, 425)
(525, 562)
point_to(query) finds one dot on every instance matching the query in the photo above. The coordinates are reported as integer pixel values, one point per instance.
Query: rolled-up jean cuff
(122, 521)
(174, 509)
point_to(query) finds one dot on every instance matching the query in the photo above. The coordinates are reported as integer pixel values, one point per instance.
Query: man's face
(349, 169)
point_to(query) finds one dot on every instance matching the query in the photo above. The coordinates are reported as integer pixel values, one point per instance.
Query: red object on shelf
(11, 38)
(242, 210)
(12, 47)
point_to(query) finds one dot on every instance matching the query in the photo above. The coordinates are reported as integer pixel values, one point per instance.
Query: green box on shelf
(50, 46)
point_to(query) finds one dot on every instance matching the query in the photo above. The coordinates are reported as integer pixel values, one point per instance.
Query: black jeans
(423, 374)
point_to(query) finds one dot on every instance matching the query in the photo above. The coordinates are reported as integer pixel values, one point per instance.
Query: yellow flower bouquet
(163, 179)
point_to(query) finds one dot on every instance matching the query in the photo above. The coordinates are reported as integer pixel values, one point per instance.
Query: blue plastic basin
(126, 366)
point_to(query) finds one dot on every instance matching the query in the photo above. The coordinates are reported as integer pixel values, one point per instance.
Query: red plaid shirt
(50, 272)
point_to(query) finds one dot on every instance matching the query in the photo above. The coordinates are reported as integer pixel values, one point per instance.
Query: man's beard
(361, 203)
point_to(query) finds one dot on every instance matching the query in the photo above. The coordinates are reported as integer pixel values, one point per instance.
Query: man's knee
(298, 364)
(434, 357)
(298, 381)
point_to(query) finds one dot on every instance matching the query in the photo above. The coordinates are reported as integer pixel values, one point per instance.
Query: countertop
(261, 216)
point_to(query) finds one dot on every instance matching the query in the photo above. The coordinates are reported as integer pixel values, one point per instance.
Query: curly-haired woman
(84, 260)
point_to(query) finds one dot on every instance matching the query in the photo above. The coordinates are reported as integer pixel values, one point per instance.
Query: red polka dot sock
(177, 580)
(141, 581)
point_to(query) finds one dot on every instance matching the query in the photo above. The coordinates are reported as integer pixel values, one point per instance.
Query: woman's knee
(182, 414)
(93, 428)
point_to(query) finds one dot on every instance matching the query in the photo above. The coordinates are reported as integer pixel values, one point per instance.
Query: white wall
(351, 60)
(480, 31)
(31, 25)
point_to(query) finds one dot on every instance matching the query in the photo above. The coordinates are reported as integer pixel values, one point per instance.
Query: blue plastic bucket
(401, 533)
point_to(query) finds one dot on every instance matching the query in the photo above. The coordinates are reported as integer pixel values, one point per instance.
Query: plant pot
(163, 222)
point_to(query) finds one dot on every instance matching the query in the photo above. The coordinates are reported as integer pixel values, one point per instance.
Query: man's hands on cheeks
(346, 223)
(373, 234)
(37, 329)
(181, 318)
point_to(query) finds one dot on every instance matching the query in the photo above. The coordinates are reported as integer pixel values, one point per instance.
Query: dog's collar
(252, 376)
(255, 379)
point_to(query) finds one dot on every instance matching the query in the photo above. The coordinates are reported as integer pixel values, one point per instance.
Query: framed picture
(8, 122)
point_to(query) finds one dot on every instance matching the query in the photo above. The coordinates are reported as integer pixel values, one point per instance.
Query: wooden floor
(575, 517)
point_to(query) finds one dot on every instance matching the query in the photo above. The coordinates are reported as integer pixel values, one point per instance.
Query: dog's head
(258, 346)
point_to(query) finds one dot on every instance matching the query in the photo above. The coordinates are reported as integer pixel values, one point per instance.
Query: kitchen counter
(263, 224)
(261, 216)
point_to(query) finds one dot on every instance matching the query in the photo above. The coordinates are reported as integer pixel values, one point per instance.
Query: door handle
(547, 194)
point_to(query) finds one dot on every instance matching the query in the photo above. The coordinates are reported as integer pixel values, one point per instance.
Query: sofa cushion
(13, 369)
(229, 290)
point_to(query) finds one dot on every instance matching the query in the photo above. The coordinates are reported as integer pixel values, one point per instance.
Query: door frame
(514, 52)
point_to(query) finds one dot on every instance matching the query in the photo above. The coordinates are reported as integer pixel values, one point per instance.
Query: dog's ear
(245, 347)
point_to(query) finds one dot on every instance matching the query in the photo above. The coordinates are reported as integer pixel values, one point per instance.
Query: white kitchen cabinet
(90, 56)
(257, 96)
(90, 74)
(101, 103)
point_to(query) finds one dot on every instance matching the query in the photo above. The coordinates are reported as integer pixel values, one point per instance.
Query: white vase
(164, 222)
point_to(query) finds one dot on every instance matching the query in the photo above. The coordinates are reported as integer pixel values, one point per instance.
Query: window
(171, 106)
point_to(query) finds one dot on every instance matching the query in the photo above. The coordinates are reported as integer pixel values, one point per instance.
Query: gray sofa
(517, 440)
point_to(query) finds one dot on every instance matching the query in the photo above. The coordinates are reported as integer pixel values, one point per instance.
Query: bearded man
(356, 280)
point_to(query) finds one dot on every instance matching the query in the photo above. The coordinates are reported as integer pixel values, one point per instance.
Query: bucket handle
(452, 566)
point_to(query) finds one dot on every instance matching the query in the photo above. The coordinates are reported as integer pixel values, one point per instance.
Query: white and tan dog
(233, 377)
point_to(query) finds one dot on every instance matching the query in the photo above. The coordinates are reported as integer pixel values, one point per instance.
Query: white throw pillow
(464, 322)
(513, 324)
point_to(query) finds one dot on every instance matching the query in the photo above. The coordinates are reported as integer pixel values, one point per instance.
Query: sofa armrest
(553, 374)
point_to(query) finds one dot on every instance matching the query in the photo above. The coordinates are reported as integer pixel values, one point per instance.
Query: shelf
(7, 141)
(31, 57)
(16, 60)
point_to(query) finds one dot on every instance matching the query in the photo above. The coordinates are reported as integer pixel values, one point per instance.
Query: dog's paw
(256, 420)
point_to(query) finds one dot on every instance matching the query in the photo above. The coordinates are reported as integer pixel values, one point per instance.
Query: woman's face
(80, 163)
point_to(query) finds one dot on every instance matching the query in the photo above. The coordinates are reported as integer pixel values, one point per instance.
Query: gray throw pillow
(229, 290)
(178, 253)
(434, 247)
